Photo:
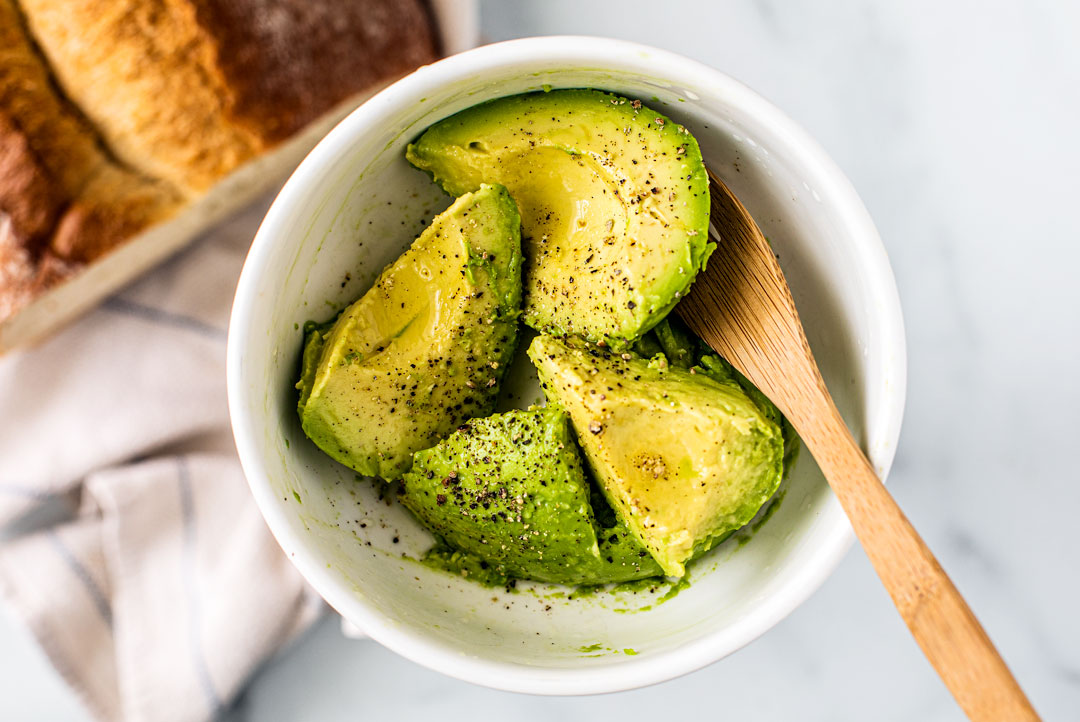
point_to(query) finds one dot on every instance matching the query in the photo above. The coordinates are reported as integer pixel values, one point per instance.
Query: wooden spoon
(742, 306)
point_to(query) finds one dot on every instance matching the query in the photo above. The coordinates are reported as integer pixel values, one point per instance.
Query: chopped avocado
(682, 458)
(676, 342)
(614, 203)
(425, 348)
(314, 340)
(510, 490)
(682, 348)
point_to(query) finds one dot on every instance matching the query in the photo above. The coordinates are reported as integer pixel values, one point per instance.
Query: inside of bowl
(361, 212)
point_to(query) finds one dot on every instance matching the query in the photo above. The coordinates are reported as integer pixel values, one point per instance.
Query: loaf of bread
(126, 126)
(63, 201)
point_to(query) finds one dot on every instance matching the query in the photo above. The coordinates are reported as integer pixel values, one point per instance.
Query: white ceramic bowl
(355, 204)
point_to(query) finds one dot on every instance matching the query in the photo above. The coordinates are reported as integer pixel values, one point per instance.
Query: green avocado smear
(585, 216)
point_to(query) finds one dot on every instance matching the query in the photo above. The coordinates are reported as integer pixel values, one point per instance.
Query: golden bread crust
(63, 201)
(115, 115)
(188, 90)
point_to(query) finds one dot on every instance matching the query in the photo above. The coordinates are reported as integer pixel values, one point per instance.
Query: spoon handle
(742, 306)
(935, 612)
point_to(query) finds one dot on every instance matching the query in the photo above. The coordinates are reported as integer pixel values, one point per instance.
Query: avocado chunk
(425, 348)
(614, 203)
(682, 348)
(510, 490)
(683, 459)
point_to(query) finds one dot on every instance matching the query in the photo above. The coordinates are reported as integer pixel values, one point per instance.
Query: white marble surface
(957, 122)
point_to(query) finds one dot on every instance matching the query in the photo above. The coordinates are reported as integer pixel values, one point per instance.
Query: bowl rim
(623, 673)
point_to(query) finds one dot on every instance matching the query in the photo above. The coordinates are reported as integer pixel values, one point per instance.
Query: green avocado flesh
(683, 459)
(613, 196)
(426, 348)
(682, 348)
(510, 490)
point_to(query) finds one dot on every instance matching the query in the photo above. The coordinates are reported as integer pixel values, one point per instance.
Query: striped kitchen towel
(131, 546)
